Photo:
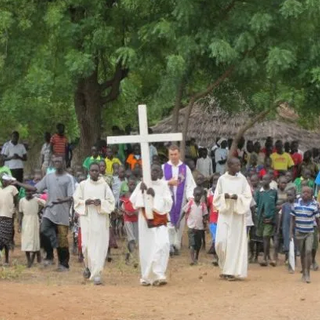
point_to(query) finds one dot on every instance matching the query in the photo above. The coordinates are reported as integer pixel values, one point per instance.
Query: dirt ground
(192, 293)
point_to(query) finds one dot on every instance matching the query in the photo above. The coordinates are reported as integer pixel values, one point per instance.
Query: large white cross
(144, 138)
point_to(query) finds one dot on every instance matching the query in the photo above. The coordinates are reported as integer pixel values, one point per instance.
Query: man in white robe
(94, 201)
(232, 198)
(181, 183)
(154, 244)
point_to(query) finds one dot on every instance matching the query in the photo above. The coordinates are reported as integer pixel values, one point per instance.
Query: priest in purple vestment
(181, 183)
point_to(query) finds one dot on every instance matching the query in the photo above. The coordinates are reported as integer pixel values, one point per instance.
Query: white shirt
(7, 207)
(204, 166)
(195, 214)
(153, 152)
(12, 149)
(221, 154)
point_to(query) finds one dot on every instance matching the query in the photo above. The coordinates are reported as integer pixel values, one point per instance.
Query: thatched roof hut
(208, 122)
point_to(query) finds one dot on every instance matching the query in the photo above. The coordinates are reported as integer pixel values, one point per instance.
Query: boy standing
(204, 164)
(266, 200)
(302, 220)
(195, 211)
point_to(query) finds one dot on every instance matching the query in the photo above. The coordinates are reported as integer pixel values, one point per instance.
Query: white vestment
(154, 247)
(94, 222)
(231, 239)
(175, 236)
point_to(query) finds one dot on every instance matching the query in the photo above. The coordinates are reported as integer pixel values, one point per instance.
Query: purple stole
(177, 203)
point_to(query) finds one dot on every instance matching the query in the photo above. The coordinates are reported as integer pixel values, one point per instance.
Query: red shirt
(59, 144)
(213, 212)
(129, 215)
(263, 172)
(297, 159)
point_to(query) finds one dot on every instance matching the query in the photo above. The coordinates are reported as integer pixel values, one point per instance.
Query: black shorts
(195, 238)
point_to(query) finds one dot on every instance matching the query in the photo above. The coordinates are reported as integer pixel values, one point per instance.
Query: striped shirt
(59, 144)
(305, 214)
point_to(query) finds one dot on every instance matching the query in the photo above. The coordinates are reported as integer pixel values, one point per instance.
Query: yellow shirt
(281, 162)
(109, 164)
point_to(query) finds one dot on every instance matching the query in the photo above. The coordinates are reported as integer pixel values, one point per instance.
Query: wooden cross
(144, 138)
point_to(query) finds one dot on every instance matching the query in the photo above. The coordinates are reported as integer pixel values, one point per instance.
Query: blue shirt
(305, 214)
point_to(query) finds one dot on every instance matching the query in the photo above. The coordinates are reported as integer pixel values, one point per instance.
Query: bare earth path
(192, 293)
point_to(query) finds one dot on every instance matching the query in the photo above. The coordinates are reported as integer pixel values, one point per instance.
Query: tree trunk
(177, 107)
(260, 116)
(87, 101)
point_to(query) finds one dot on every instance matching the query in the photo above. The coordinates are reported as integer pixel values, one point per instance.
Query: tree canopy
(88, 63)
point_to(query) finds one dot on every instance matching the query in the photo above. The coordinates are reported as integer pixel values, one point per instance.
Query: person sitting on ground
(93, 158)
(304, 214)
(266, 200)
(196, 212)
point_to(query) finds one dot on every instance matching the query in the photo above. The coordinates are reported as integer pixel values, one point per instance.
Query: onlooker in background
(93, 158)
(296, 157)
(152, 149)
(15, 154)
(281, 161)
(110, 160)
(59, 142)
(193, 150)
(308, 163)
(46, 153)
(204, 164)
(221, 156)
(3, 168)
(134, 157)
(213, 154)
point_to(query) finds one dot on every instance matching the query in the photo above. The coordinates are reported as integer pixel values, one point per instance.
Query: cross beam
(144, 138)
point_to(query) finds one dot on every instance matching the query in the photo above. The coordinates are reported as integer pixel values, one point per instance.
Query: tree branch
(114, 84)
(260, 116)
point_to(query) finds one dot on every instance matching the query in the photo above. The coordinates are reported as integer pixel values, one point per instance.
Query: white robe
(231, 239)
(154, 246)
(175, 236)
(94, 222)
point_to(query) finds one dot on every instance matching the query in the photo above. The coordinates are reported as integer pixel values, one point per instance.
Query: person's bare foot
(231, 278)
(223, 277)
(307, 278)
(273, 263)
(264, 263)
(315, 266)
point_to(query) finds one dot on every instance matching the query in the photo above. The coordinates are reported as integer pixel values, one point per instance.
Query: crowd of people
(248, 200)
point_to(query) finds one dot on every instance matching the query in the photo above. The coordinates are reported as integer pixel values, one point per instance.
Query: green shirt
(298, 183)
(124, 188)
(4, 169)
(87, 162)
(266, 204)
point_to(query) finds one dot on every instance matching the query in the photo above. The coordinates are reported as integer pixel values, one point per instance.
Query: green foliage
(48, 47)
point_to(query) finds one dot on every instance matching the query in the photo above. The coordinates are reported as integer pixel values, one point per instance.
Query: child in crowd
(266, 167)
(204, 165)
(255, 241)
(285, 217)
(304, 214)
(196, 212)
(213, 217)
(273, 182)
(29, 208)
(266, 200)
(290, 183)
(306, 177)
(130, 217)
(137, 172)
(9, 200)
(108, 178)
(281, 199)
